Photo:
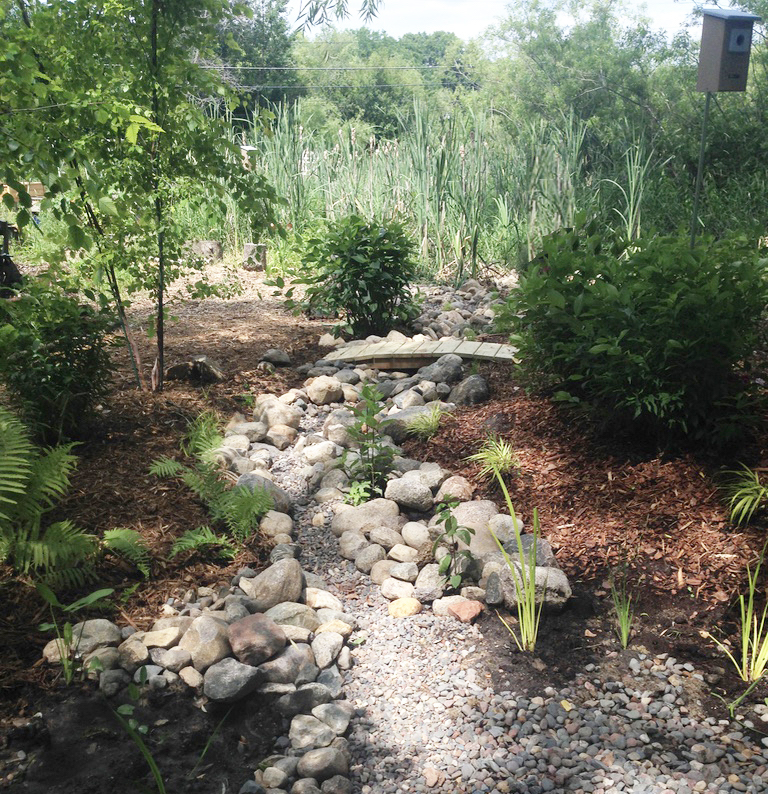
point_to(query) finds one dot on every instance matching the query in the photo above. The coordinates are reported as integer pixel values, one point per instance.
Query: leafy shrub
(656, 334)
(361, 271)
(451, 535)
(54, 357)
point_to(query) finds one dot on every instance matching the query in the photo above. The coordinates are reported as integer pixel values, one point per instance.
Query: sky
(470, 18)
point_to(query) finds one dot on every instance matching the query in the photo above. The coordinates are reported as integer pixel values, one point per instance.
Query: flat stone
(403, 553)
(351, 543)
(415, 534)
(406, 571)
(191, 677)
(385, 536)
(335, 715)
(381, 570)
(377, 512)
(163, 638)
(89, 635)
(322, 599)
(292, 663)
(173, 659)
(303, 700)
(366, 558)
(466, 611)
(442, 605)
(336, 626)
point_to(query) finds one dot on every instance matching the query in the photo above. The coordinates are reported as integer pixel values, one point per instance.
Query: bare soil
(602, 503)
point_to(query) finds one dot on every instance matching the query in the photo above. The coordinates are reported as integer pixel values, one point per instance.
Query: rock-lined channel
(376, 703)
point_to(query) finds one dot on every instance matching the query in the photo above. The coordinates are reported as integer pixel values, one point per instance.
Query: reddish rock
(256, 638)
(466, 611)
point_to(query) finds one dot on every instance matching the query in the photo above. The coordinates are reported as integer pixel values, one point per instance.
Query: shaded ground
(600, 504)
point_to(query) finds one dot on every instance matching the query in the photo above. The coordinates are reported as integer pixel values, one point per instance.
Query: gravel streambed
(425, 720)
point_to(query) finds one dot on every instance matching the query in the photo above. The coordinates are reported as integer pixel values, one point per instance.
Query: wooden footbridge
(411, 354)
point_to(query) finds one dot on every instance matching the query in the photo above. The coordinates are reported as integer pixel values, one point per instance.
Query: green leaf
(107, 206)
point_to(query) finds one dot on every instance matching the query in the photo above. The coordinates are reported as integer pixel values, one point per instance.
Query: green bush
(654, 334)
(54, 359)
(360, 271)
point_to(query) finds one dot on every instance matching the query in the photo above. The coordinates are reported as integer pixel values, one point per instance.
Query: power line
(331, 87)
(321, 68)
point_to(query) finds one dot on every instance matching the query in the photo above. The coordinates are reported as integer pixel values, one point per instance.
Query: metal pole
(700, 170)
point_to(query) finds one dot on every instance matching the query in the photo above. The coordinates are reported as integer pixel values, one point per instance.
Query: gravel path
(426, 723)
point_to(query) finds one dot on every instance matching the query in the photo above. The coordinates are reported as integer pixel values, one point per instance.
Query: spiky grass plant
(751, 659)
(424, 426)
(497, 459)
(623, 603)
(746, 493)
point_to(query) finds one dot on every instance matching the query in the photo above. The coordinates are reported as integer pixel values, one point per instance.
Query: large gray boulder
(230, 680)
(281, 502)
(376, 513)
(409, 492)
(471, 391)
(89, 635)
(292, 614)
(447, 369)
(323, 763)
(281, 582)
(294, 662)
(324, 390)
(207, 641)
(552, 587)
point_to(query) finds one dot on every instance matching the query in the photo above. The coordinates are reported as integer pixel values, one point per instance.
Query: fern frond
(49, 479)
(241, 509)
(62, 550)
(203, 437)
(165, 467)
(204, 480)
(16, 455)
(202, 538)
(129, 544)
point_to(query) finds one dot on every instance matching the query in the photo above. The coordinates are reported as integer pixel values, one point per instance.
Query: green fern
(16, 451)
(203, 437)
(129, 544)
(202, 538)
(205, 480)
(32, 481)
(165, 467)
(240, 510)
(60, 555)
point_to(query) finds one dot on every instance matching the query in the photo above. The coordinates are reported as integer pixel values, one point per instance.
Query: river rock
(281, 582)
(447, 369)
(368, 556)
(321, 599)
(470, 391)
(377, 512)
(280, 499)
(89, 635)
(274, 523)
(324, 390)
(323, 763)
(404, 607)
(207, 642)
(455, 487)
(411, 493)
(229, 680)
(256, 638)
(351, 544)
(395, 588)
(385, 536)
(307, 732)
(326, 647)
(294, 614)
(293, 663)
(303, 700)
(382, 570)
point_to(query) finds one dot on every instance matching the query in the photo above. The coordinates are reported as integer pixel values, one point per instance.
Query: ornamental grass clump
(496, 458)
(751, 658)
